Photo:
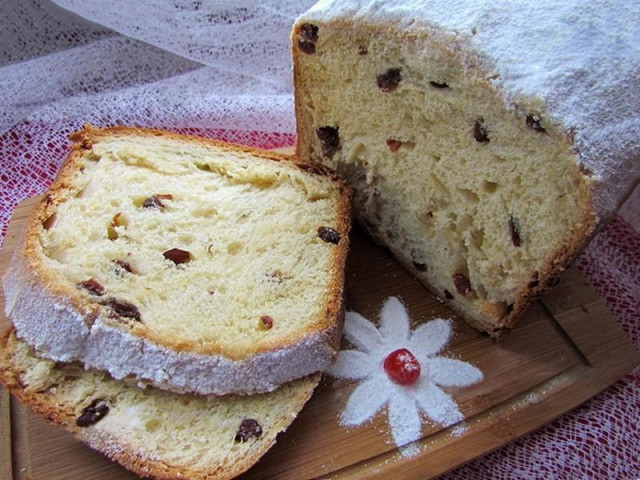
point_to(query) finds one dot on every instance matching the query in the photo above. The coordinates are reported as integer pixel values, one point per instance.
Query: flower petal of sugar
(430, 338)
(405, 400)
(361, 332)
(404, 418)
(450, 372)
(438, 406)
(366, 400)
(394, 321)
(353, 365)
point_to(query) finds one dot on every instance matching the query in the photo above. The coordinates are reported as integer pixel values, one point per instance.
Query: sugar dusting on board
(386, 375)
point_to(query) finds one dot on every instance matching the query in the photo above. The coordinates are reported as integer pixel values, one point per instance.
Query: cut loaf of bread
(184, 263)
(484, 142)
(151, 432)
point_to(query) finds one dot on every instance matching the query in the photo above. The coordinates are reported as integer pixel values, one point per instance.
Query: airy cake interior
(148, 430)
(213, 251)
(482, 198)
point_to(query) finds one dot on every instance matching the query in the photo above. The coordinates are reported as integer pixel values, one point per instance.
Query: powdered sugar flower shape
(407, 382)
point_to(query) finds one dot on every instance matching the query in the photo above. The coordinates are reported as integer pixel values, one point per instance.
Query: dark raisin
(428, 215)
(309, 32)
(307, 38)
(87, 144)
(92, 286)
(93, 413)
(362, 50)
(533, 284)
(514, 228)
(509, 308)
(462, 283)
(122, 266)
(421, 267)
(480, 133)
(389, 80)
(249, 428)
(438, 84)
(155, 201)
(124, 309)
(447, 294)
(307, 47)
(266, 322)
(393, 145)
(329, 139)
(533, 122)
(328, 235)
(177, 256)
(48, 223)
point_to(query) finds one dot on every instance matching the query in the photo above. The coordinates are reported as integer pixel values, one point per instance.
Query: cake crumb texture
(158, 256)
(149, 431)
(483, 143)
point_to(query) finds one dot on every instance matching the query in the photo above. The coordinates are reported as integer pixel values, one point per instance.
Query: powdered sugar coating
(56, 329)
(580, 61)
(377, 389)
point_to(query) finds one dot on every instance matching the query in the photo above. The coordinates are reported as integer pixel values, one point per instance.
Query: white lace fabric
(222, 69)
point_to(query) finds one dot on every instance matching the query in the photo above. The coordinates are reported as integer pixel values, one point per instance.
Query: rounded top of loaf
(577, 62)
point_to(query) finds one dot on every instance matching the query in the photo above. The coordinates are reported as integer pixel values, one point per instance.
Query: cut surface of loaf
(151, 432)
(483, 189)
(185, 263)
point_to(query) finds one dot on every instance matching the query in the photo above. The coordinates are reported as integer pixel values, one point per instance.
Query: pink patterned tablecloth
(600, 439)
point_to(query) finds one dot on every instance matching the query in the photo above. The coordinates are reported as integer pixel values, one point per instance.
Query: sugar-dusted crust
(63, 326)
(59, 393)
(574, 60)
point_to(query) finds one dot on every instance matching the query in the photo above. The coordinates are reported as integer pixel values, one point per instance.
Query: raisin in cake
(187, 264)
(485, 141)
(151, 432)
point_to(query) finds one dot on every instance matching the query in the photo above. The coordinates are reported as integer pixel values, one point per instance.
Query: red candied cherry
(402, 366)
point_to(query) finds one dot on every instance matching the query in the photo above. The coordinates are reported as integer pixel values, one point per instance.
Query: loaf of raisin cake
(151, 432)
(187, 264)
(486, 142)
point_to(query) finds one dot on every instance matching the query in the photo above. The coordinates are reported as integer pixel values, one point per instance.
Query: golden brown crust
(89, 135)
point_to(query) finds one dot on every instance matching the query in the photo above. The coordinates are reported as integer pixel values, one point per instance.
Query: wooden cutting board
(565, 350)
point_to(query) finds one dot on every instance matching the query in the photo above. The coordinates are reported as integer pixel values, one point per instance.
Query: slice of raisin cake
(154, 433)
(185, 263)
(485, 142)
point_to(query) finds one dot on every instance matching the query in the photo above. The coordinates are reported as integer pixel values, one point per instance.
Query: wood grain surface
(566, 349)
